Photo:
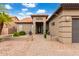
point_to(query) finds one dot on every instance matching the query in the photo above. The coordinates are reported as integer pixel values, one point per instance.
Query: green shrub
(45, 35)
(47, 32)
(16, 34)
(22, 33)
(1, 39)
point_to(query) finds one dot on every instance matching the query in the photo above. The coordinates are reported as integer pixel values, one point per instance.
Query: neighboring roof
(66, 6)
(39, 15)
(25, 20)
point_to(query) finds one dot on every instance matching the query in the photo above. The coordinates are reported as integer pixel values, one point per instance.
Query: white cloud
(41, 11)
(25, 16)
(25, 9)
(21, 14)
(7, 6)
(31, 5)
(29, 13)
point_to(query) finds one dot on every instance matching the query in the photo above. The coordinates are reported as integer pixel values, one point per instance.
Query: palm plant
(4, 19)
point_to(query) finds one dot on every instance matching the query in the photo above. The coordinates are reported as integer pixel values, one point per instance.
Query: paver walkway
(38, 47)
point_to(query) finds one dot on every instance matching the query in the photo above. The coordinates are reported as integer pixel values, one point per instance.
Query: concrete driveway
(38, 47)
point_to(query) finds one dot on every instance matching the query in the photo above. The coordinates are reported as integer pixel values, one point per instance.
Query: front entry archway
(39, 27)
(39, 23)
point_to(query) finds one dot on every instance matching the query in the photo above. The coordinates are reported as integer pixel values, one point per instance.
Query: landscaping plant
(1, 39)
(4, 17)
(22, 33)
(15, 34)
(45, 35)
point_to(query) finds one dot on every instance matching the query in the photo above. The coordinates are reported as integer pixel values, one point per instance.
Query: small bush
(22, 33)
(1, 39)
(45, 35)
(16, 34)
(47, 32)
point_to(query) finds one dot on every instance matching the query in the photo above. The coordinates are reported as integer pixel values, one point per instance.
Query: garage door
(75, 30)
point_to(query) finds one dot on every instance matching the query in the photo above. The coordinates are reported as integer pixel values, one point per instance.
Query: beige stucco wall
(62, 29)
(54, 29)
(12, 28)
(25, 27)
(4, 30)
(9, 29)
(71, 12)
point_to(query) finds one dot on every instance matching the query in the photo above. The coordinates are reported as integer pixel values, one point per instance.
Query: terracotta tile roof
(25, 20)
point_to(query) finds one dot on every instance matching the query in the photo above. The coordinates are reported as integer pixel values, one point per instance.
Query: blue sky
(22, 10)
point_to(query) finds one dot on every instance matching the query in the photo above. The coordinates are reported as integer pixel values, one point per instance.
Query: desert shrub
(22, 33)
(16, 34)
(45, 35)
(47, 32)
(1, 39)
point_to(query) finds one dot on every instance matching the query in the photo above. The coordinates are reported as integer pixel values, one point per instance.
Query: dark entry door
(39, 27)
(75, 30)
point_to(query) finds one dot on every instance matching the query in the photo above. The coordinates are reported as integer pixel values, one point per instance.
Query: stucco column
(44, 28)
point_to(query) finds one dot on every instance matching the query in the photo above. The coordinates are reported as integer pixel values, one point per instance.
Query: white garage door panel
(75, 30)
